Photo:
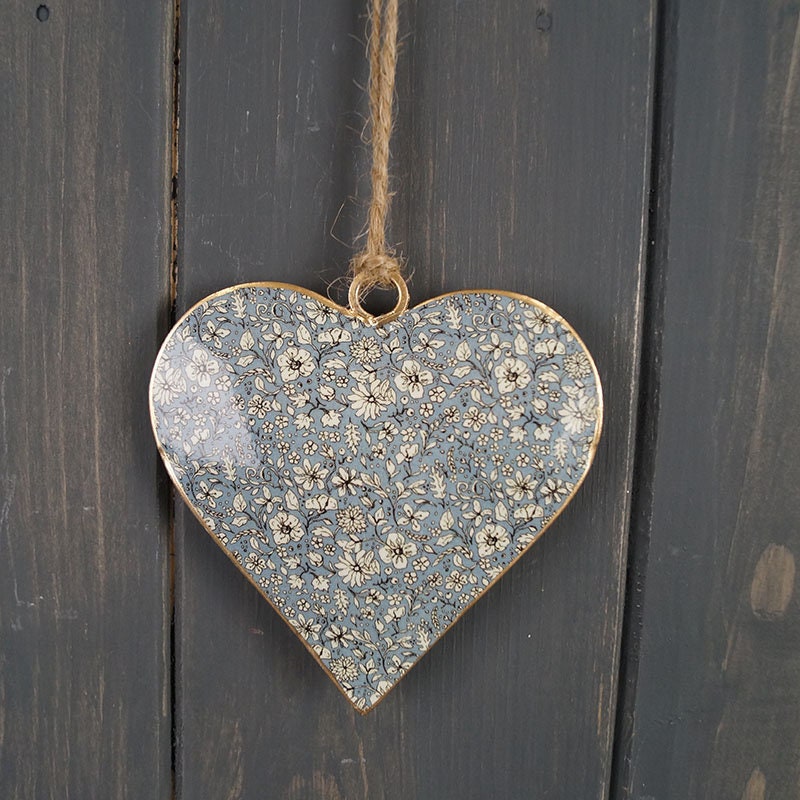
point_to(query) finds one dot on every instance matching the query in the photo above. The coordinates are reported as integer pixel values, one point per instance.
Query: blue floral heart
(372, 482)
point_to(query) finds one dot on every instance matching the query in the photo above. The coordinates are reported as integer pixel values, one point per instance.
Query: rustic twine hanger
(376, 264)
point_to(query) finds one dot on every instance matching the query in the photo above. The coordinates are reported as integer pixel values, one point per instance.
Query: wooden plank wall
(716, 708)
(84, 225)
(510, 172)
(634, 164)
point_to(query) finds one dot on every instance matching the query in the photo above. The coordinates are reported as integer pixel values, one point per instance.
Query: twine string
(376, 264)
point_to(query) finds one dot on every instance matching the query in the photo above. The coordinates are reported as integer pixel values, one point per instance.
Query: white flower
(258, 406)
(474, 418)
(577, 365)
(437, 394)
(578, 413)
(397, 550)
(208, 494)
(413, 379)
(345, 481)
(456, 581)
(344, 668)
(214, 334)
(492, 539)
(321, 651)
(355, 568)
(339, 635)
(412, 517)
(494, 347)
(167, 384)
(351, 519)
(370, 401)
(406, 453)
(275, 334)
(426, 345)
(387, 430)
(512, 374)
(477, 513)
(255, 562)
(306, 626)
(319, 312)
(554, 490)
(202, 367)
(539, 321)
(394, 613)
(294, 363)
(286, 527)
(310, 476)
(521, 487)
(366, 351)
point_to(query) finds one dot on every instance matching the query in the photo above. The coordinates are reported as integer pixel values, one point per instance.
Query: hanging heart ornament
(374, 477)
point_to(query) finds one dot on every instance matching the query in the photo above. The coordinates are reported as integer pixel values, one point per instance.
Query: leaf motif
(238, 305)
(560, 449)
(463, 351)
(291, 501)
(247, 342)
(341, 599)
(303, 335)
(439, 487)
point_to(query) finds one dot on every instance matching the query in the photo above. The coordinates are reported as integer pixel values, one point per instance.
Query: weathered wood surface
(716, 708)
(521, 162)
(84, 225)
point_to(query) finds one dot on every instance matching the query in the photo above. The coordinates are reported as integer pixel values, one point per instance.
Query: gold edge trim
(347, 312)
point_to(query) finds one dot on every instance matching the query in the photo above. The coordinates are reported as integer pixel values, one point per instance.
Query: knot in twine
(376, 269)
(376, 265)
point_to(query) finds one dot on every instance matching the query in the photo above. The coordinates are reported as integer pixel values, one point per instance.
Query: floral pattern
(373, 482)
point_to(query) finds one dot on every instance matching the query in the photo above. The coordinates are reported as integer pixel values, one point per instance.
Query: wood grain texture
(84, 601)
(718, 693)
(520, 162)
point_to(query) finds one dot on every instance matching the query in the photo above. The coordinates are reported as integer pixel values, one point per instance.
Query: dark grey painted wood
(84, 600)
(521, 162)
(717, 702)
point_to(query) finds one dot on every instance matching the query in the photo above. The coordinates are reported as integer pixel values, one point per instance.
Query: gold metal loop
(358, 284)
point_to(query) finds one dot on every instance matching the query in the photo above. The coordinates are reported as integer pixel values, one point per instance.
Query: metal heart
(373, 482)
